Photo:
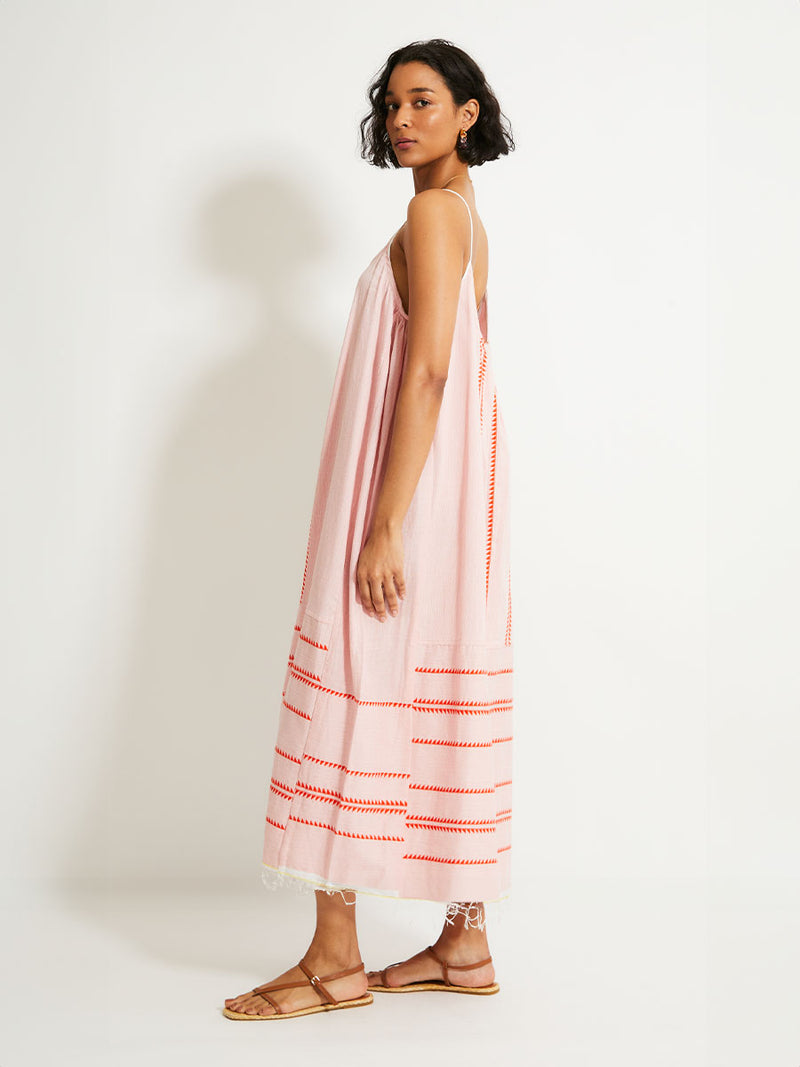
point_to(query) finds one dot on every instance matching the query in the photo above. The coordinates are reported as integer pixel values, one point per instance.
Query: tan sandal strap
(435, 954)
(275, 1006)
(469, 966)
(456, 966)
(283, 985)
(316, 982)
(314, 979)
(442, 963)
(342, 974)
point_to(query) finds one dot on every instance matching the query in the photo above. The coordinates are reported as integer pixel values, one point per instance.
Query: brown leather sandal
(444, 985)
(329, 1003)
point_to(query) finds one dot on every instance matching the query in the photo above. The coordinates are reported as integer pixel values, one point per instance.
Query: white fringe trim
(473, 914)
(272, 878)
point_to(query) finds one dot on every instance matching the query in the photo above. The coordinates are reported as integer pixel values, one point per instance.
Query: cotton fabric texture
(391, 772)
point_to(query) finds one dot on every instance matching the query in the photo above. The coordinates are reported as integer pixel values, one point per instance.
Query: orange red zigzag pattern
(454, 826)
(303, 637)
(303, 675)
(359, 804)
(305, 569)
(390, 837)
(363, 804)
(452, 788)
(482, 373)
(447, 859)
(378, 837)
(368, 806)
(469, 707)
(459, 744)
(286, 755)
(387, 837)
(280, 788)
(361, 774)
(391, 807)
(297, 711)
(420, 704)
(462, 670)
(345, 833)
(386, 774)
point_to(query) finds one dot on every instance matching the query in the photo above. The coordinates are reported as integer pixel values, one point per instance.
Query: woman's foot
(456, 944)
(304, 996)
(333, 948)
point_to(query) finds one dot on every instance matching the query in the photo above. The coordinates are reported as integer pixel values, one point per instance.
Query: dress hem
(303, 882)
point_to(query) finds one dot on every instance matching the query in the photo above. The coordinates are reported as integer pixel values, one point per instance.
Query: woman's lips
(403, 144)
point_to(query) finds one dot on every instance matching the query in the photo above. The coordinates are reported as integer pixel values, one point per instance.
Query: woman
(392, 768)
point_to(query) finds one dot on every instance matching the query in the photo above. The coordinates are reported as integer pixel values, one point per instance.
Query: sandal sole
(311, 1010)
(439, 987)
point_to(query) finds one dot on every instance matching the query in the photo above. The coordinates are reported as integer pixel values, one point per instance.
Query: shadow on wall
(183, 788)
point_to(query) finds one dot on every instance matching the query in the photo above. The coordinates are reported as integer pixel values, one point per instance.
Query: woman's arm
(434, 255)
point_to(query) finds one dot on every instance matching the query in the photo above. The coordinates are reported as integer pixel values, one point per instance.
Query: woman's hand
(379, 571)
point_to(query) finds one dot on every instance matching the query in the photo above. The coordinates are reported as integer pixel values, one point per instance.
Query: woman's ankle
(339, 952)
(335, 939)
(466, 931)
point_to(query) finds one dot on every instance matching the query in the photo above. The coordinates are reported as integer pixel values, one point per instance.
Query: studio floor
(601, 972)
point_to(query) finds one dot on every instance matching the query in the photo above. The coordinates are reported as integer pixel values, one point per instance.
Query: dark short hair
(489, 136)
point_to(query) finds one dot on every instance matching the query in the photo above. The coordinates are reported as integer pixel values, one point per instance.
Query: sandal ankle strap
(455, 966)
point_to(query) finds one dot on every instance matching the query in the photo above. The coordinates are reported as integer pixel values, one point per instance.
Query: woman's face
(421, 112)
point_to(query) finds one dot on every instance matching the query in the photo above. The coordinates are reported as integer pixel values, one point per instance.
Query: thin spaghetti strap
(470, 222)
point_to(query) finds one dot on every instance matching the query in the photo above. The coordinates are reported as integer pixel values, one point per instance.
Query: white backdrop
(184, 217)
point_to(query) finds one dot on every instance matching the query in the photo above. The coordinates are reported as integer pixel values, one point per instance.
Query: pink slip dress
(391, 772)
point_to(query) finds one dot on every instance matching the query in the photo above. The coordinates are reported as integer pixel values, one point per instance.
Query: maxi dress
(391, 772)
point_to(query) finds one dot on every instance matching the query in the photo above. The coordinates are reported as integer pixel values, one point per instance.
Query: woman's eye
(422, 100)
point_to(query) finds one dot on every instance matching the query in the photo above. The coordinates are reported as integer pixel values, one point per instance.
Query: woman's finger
(376, 589)
(390, 594)
(364, 592)
(400, 584)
